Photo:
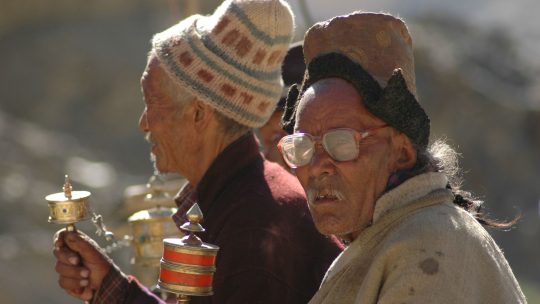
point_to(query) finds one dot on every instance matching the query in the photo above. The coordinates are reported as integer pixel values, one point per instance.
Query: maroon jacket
(256, 212)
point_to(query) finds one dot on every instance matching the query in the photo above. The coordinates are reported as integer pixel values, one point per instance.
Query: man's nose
(143, 122)
(321, 162)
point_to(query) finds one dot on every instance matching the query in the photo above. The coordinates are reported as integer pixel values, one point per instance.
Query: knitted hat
(373, 52)
(231, 59)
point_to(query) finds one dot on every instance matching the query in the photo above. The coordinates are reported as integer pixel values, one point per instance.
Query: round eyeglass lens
(341, 144)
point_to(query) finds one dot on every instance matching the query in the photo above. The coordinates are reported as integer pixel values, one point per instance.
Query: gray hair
(230, 127)
(441, 157)
(181, 96)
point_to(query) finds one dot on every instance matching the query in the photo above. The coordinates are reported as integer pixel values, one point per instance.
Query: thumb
(92, 257)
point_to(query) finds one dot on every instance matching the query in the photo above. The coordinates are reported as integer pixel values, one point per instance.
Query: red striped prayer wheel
(187, 269)
(187, 266)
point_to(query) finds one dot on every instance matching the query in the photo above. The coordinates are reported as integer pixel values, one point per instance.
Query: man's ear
(202, 114)
(406, 152)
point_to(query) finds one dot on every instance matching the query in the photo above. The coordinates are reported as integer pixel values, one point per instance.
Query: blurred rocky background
(70, 102)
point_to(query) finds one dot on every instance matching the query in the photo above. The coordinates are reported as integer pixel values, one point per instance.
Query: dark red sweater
(256, 212)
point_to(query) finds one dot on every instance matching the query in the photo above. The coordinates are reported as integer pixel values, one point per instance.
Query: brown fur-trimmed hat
(373, 51)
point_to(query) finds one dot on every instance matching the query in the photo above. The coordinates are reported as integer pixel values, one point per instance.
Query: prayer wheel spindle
(188, 264)
(68, 207)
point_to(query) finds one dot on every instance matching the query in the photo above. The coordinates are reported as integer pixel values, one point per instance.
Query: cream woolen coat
(421, 248)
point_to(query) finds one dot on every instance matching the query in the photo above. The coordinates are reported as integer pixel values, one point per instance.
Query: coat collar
(235, 157)
(408, 192)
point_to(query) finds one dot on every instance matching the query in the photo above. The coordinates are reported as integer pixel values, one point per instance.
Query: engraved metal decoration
(156, 191)
(68, 207)
(188, 264)
(148, 229)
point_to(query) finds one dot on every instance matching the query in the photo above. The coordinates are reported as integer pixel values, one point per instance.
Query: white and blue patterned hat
(232, 58)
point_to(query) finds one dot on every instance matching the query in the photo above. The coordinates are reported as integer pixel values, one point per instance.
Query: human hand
(81, 264)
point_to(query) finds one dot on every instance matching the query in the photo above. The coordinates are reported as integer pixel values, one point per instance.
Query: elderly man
(208, 81)
(360, 151)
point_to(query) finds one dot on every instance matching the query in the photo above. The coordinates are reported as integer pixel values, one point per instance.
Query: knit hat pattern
(231, 59)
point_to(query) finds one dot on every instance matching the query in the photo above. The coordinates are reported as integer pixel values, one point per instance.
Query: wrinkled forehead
(153, 72)
(332, 103)
(157, 82)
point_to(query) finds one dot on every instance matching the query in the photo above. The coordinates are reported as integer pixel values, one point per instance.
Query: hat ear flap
(288, 119)
(399, 108)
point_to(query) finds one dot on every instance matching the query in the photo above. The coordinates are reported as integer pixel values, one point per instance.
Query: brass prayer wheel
(188, 264)
(68, 207)
(148, 229)
(157, 191)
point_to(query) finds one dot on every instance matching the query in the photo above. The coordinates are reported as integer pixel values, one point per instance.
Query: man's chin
(157, 168)
(329, 225)
(347, 232)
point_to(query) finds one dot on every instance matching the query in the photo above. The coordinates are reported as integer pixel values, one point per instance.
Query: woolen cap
(232, 58)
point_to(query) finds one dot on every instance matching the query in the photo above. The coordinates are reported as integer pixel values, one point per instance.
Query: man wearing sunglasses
(359, 146)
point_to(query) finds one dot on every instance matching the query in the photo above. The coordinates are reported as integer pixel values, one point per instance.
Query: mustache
(148, 137)
(329, 185)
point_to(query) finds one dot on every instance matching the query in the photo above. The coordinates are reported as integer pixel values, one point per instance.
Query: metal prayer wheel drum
(188, 264)
(68, 207)
(149, 228)
(186, 269)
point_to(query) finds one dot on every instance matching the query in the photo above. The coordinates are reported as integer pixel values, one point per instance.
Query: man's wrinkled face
(161, 120)
(342, 195)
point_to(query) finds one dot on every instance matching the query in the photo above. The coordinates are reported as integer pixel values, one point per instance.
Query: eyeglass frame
(318, 140)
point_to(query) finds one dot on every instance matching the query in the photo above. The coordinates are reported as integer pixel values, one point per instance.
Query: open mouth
(327, 196)
(323, 196)
(327, 190)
